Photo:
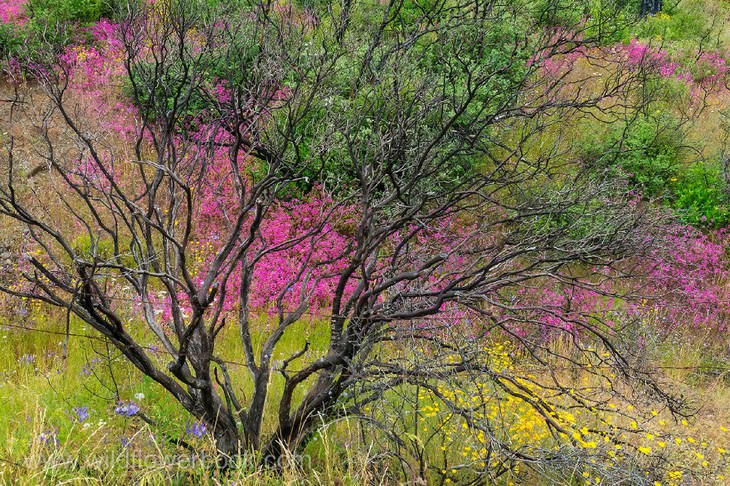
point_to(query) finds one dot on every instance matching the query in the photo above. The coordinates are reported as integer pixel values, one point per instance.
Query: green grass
(40, 389)
(44, 442)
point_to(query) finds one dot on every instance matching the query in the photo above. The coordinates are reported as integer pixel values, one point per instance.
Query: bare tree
(424, 124)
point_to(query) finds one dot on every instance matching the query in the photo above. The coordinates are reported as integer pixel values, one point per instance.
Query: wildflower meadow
(355, 242)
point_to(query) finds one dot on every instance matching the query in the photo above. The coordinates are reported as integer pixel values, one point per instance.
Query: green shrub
(52, 12)
(701, 196)
(159, 93)
(650, 154)
(10, 40)
(646, 152)
(610, 20)
(681, 22)
(51, 25)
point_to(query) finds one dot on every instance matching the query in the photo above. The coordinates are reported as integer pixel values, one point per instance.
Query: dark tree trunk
(650, 7)
(227, 443)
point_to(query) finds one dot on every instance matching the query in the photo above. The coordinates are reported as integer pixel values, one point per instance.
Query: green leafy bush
(646, 152)
(701, 196)
(10, 39)
(681, 22)
(52, 25)
(155, 98)
(651, 154)
(52, 12)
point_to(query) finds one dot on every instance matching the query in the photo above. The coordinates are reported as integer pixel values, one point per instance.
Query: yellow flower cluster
(476, 419)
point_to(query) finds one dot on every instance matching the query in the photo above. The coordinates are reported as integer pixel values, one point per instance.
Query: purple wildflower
(82, 413)
(197, 429)
(48, 438)
(127, 409)
(87, 370)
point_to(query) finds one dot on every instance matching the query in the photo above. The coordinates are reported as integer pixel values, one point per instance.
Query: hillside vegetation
(354, 242)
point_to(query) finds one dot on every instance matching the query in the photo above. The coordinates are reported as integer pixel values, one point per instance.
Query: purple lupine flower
(127, 409)
(125, 441)
(82, 413)
(197, 429)
(48, 438)
(27, 358)
(87, 370)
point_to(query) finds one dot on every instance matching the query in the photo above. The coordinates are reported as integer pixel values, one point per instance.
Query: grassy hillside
(428, 242)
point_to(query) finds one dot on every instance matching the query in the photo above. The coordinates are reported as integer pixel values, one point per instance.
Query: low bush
(646, 152)
(43, 28)
(683, 21)
(52, 12)
(701, 196)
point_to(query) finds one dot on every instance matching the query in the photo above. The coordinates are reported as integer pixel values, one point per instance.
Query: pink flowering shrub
(12, 11)
(95, 68)
(544, 309)
(684, 285)
(295, 264)
(685, 279)
(710, 68)
(687, 282)
(560, 57)
(639, 53)
(706, 70)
